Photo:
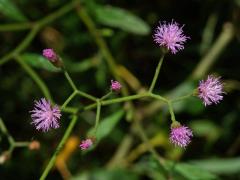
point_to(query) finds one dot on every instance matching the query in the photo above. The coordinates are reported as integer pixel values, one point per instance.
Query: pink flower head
(170, 36)
(115, 86)
(85, 144)
(50, 55)
(44, 116)
(180, 135)
(211, 90)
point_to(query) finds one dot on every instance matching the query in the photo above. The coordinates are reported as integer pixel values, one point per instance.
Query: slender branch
(23, 45)
(16, 26)
(5, 131)
(60, 12)
(105, 52)
(71, 110)
(88, 96)
(106, 96)
(69, 79)
(60, 146)
(158, 68)
(171, 111)
(123, 99)
(68, 100)
(97, 116)
(156, 96)
(34, 76)
(37, 26)
(182, 97)
(21, 144)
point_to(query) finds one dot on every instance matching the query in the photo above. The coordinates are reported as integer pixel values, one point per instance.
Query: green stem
(97, 116)
(86, 19)
(71, 110)
(88, 96)
(68, 100)
(69, 79)
(5, 132)
(23, 45)
(106, 96)
(171, 111)
(89, 107)
(156, 73)
(123, 99)
(181, 98)
(99, 40)
(155, 96)
(16, 26)
(37, 26)
(60, 145)
(60, 12)
(21, 144)
(35, 77)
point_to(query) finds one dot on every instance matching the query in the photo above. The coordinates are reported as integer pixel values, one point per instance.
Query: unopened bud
(52, 57)
(115, 86)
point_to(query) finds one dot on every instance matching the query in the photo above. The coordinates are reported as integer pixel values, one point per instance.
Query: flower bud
(52, 57)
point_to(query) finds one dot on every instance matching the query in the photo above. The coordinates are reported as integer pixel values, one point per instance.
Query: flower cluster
(170, 36)
(211, 90)
(115, 86)
(44, 116)
(180, 135)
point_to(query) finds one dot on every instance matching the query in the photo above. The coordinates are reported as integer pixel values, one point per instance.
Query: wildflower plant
(47, 115)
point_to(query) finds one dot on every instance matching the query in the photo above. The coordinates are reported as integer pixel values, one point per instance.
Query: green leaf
(193, 172)
(38, 61)
(205, 128)
(107, 124)
(220, 166)
(122, 19)
(11, 11)
(81, 66)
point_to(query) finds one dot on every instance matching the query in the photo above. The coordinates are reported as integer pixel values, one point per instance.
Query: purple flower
(170, 36)
(115, 86)
(85, 144)
(211, 90)
(180, 135)
(44, 116)
(50, 55)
